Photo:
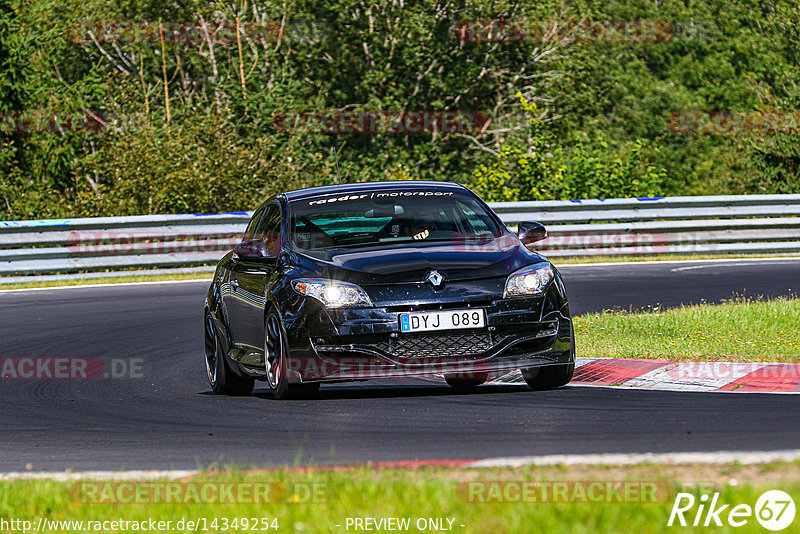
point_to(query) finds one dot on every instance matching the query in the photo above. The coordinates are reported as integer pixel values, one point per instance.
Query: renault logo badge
(435, 278)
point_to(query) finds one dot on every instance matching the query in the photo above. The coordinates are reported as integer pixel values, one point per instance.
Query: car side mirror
(531, 232)
(253, 250)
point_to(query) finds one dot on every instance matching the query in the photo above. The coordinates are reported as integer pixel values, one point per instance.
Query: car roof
(369, 187)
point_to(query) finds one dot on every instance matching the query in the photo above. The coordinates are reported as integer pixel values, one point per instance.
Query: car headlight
(332, 293)
(529, 281)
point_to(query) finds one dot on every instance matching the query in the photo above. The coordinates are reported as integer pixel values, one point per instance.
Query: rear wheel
(222, 379)
(465, 382)
(276, 351)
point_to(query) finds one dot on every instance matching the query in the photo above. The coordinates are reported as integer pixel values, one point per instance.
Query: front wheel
(552, 376)
(548, 376)
(466, 382)
(276, 352)
(223, 381)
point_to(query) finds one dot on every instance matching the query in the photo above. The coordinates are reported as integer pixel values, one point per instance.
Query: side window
(251, 226)
(477, 223)
(270, 228)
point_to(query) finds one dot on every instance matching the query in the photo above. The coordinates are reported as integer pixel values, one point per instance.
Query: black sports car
(378, 280)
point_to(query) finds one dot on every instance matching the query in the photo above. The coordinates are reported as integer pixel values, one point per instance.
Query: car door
(229, 297)
(248, 284)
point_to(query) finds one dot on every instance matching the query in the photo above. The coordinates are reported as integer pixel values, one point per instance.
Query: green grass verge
(420, 493)
(741, 330)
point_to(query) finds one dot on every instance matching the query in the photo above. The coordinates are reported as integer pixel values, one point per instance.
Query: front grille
(442, 345)
(422, 345)
(427, 345)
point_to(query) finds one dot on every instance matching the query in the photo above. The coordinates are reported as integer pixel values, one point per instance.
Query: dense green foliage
(569, 119)
(565, 499)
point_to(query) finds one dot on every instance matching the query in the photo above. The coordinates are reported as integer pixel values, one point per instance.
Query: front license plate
(442, 320)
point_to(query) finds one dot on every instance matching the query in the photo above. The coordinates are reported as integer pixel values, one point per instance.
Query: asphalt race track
(165, 417)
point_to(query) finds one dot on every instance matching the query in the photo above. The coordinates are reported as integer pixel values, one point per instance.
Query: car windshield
(388, 217)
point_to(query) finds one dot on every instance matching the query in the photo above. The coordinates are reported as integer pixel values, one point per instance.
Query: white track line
(720, 457)
(748, 263)
(63, 476)
(670, 458)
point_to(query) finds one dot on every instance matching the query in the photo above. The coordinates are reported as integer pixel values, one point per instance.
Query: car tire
(548, 376)
(465, 383)
(276, 350)
(222, 379)
(551, 376)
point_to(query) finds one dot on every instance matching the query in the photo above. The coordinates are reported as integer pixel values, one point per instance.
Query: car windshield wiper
(387, 243)
(355, 245)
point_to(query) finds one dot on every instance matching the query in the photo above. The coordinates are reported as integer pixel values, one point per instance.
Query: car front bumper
(359, 344)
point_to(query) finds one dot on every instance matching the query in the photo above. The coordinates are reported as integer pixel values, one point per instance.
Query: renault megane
(380, 280)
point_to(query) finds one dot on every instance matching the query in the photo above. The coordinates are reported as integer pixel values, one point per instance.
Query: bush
(537, 168)
(197, 164)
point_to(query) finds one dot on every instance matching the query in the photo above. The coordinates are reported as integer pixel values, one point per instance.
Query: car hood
(411, 263)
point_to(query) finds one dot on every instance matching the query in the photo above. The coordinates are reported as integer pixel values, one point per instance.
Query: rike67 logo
(774, 510)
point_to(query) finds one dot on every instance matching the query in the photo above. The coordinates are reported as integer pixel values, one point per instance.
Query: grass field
(319, 500)
(740, 330)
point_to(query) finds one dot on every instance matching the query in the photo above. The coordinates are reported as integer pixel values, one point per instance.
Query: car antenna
(337, 163)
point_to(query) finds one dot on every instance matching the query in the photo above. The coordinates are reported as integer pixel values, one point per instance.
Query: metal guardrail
(68, 245)
(661, 225)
